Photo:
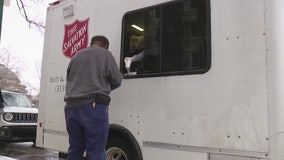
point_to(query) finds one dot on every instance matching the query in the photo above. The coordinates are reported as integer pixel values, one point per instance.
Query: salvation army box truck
(208, 84)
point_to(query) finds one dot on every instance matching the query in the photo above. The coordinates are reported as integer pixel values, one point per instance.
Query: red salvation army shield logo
(75, 37)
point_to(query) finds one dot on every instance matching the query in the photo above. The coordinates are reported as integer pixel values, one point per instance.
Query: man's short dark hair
(102, 39)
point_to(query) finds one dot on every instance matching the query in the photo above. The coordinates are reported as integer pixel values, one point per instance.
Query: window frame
(171, 73)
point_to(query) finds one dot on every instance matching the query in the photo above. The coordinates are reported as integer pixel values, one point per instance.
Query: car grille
(24, 118)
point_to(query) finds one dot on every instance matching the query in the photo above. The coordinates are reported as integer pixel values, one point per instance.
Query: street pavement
(26, 151)
(6, 158)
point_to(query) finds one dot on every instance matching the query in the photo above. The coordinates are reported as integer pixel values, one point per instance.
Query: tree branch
(23, 12)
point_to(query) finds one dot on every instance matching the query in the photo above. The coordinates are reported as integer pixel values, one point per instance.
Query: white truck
(208, 84)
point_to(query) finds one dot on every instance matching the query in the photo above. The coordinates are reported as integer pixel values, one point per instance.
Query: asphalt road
(26, 151)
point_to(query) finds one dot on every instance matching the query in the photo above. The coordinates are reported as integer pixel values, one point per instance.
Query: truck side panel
(224, 108)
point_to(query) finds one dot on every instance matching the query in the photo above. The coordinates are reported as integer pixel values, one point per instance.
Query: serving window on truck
(168, 39)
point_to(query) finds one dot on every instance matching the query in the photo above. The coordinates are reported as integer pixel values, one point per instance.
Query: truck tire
(119, 149)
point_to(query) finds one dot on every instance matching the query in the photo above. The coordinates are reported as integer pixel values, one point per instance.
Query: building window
(167, 39)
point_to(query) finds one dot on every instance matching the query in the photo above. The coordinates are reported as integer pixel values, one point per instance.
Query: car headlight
(8, 116)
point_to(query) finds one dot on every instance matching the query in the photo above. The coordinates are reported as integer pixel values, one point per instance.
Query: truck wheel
(119, 149)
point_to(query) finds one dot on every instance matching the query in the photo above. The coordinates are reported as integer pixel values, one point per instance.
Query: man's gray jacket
(91, 71)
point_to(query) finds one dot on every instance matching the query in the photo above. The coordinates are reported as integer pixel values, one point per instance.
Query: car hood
(17, 109)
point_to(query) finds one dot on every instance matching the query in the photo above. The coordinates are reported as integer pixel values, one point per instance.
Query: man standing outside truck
(91, 75)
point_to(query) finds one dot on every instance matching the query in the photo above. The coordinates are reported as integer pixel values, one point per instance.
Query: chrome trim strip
(189, 148)
(51, 131)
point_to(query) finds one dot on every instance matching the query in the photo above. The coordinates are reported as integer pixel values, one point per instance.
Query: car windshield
(16, 100)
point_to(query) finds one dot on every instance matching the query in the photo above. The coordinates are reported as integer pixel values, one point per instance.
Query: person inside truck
(149, 56)
(144, 47)
(91, 75)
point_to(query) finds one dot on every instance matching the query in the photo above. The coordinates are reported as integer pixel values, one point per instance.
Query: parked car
(18, 118)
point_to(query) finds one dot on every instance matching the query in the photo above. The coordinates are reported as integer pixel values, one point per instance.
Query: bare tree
(34, 86)
(10, 66)
(33, 12)
(29, 5)
(8, 59)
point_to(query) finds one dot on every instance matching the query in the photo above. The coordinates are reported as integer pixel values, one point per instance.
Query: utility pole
(1, 15)
(2, 3)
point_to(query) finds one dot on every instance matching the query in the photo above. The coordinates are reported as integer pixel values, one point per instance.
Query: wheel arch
(123, 133)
